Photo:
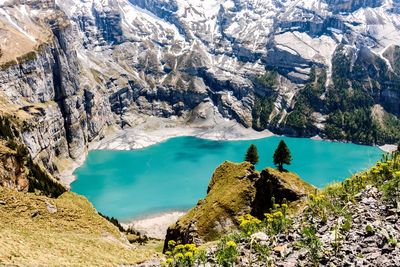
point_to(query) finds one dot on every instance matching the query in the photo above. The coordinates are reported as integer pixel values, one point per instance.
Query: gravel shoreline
(156, 225)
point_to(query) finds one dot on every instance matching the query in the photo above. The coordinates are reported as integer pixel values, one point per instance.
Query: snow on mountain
(167, 57)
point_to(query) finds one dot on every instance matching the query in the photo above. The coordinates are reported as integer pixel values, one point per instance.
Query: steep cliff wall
(46, 89)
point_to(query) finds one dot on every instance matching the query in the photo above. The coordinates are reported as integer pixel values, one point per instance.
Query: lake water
(174, 175)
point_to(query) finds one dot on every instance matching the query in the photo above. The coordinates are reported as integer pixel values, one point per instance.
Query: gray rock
(260, 237)
(51, 207)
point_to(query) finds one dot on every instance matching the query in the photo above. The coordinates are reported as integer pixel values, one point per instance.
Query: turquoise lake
(174, 175)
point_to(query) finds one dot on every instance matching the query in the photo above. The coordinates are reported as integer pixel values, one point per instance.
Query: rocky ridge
(235, 190)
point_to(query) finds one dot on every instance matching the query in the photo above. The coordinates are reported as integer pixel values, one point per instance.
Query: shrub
(391, 190)
(183, 255)
(369, 230)
(392, 242)
(277, 220)
(311, 242)
(263, 252)
(227, 252)
(346, 226)
(249, 224)
(319, 206)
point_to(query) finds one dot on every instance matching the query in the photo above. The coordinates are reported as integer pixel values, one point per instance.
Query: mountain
(72, 70)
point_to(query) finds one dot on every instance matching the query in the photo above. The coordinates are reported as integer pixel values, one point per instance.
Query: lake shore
(388, 148)
(156, 225)
(154, 130)
(148, 131)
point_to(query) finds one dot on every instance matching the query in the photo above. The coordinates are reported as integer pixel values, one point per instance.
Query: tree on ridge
(252, 155)
(282, 156)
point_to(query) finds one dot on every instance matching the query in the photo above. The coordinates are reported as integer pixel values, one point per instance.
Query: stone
(392, 219)
(35, 213)
(280, 250)
(260, 237)
(51, 207)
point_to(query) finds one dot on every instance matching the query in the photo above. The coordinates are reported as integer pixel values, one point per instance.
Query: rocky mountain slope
(74, 69)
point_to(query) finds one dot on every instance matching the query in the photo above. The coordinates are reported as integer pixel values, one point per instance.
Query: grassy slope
(75, 235)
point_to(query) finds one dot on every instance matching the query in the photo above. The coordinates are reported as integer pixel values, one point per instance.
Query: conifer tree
(282, 156)
(252, 155)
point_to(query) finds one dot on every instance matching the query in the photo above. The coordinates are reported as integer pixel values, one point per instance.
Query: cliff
(235, 190)
(18, 170)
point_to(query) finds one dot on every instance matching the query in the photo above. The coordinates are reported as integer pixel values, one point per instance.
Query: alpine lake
(173, 175)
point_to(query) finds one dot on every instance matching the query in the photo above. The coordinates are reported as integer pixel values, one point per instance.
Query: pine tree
(282, 156)
(252, 155)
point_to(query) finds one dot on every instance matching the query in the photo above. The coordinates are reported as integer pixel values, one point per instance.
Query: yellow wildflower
(171, 243)
(188, 254)
(179, 256)
(231, 244)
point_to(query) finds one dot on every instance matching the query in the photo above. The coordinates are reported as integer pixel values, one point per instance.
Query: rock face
(13, 173)
(235, 190)
(350, 6)
(71, 69)
(17, 169)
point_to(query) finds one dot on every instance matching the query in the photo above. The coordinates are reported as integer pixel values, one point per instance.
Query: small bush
(391, 189)
(249, 224)
(227, 253)
(277, 220)
(369, 230)
(312, 243)
(183, 255)
(346, 226)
